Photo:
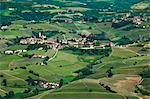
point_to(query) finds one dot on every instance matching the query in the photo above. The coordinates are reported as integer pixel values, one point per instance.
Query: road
(53, 55)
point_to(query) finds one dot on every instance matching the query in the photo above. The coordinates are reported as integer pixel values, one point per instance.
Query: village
(80, 43)
(75, 49)
(135, 20)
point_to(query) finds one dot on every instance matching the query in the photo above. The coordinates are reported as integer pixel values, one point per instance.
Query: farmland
(74, 49)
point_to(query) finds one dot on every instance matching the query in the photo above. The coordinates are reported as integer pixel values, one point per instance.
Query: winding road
(53, 55)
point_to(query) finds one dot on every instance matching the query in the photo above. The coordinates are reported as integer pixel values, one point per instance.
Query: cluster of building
(39, 56)
(39, 40)
(91, 46)
(147, 45)
(61, 43)
(137, 20)
(14, 51)
(40, 63)
(33, 40)
(73, 41)
(49, 85)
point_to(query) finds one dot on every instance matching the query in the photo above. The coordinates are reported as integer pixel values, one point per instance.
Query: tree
(80, 74)
(107, 88)
(61, 82)
(6, 96)
(89, 66)
(109, 73)
(86, 71)
(127, 97)
(27, 90)
(11, 94)
(124, 40)
(90, 90)
(100, 36)
(90, 27)
(24, 26)
(145, 73)
(36, 91)
(97, 43)
(4, 82)
(30, 81)
(2, 75)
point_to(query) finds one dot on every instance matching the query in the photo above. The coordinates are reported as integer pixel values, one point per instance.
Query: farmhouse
(137, 20)
(94, 47)
(14, 52)
(19, 51)
(50, 85)
(2, 38)
(9, 52)
(11, 9)
(147, 45)
(40, 63)
(42, 36)
(4, 27)
(81, 21)
(28, 41)
(38, 56)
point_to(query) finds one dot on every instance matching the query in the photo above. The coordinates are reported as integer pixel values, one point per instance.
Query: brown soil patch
(126, 87)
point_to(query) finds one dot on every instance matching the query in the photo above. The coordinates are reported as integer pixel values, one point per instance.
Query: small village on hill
(74, 49)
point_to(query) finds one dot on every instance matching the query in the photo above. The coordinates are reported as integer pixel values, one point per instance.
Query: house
(64, 41)
(43, 56)
(24, 50)
(81, 21)
(111, 44)
(78, 14)
(42, 36)
(2, 38)
(11, 9)
(19, 51)
(14, 52)
(23, 41)
(28, 41)
(34, 56)
(4, 27)
(40, 63)
(137, 20)
(9, 52)
(40, 48)
(50, 85)
(38, 56)
(147, 45)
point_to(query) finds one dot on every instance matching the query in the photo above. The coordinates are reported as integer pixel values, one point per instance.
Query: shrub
(1, 75)
(23, 67)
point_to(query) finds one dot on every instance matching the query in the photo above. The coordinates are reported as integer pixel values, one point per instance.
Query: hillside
(74, 49)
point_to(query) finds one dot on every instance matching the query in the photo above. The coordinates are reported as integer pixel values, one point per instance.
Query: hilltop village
(74, 49)
(81, 43)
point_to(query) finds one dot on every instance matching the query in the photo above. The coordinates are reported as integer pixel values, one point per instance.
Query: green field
(83, 89)
(85, 73)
